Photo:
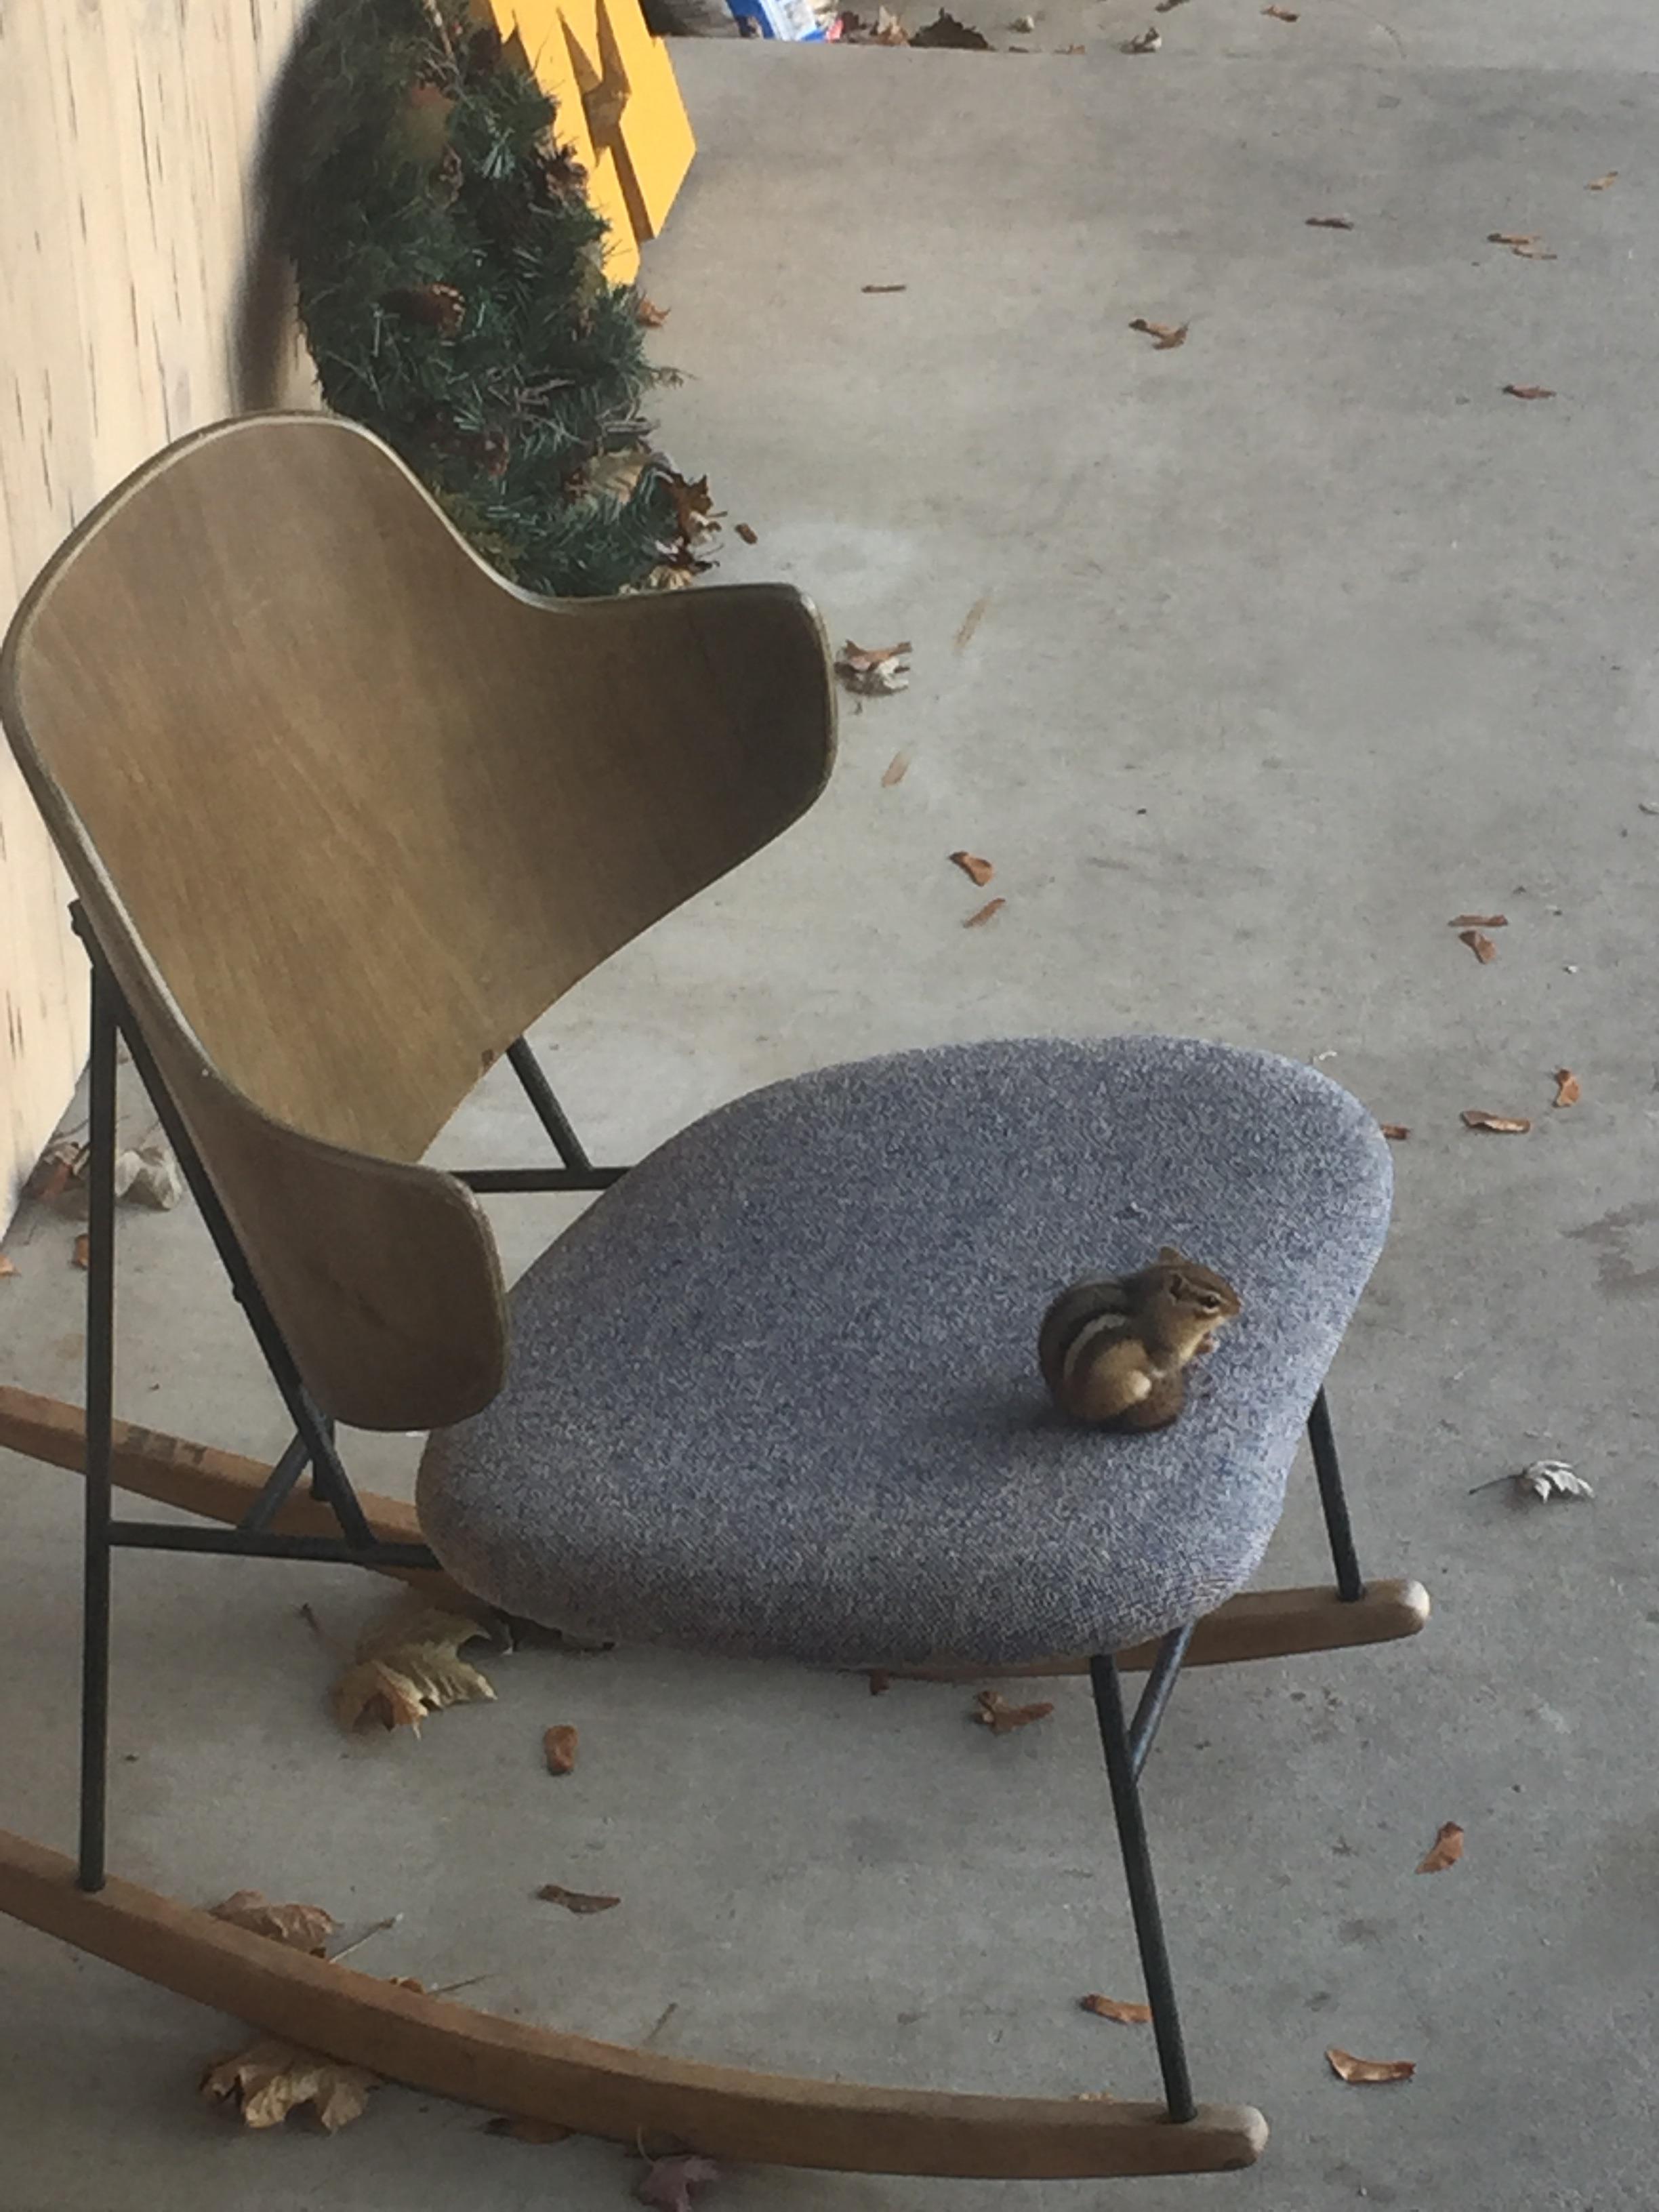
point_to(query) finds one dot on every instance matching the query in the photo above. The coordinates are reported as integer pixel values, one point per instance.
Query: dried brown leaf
(559, 1748)
(1169, 334)
(874, 670)
(1500, 1125)
(1482, 946)
(884, 288)
(576, 1900)
(1529, 391)
(7, 1267)
(1330, 222)
(1567, 1089)
(519, 2130)
(1070, 50)
(895, 770)
(880, 1681)
(988, 912)
(271, 2079)
(1600, 184)
(1349, 2069)
(1283, 14)
(648, 313)
(749, 535)
(1444, 1851)
(946, 31)
(81, 1254)
(1129, 2015)
(976, 869)
(1395, 1132)
(62, 1162)
(1147, 43)
(300, 1927)
(409, 1666)
(994, 1711)
(971, 621)
(669, 2183)
(1478, 921)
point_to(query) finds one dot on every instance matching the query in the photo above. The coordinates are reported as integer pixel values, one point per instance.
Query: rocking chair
(345, 815)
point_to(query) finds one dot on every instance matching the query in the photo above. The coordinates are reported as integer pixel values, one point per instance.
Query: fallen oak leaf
(994, 1712)
(1168, 334)
(1330, 222)
(945, 30)
(409, 1666)
(559, 1749)
(517, 2129)
(895, 770)
(1348, 2067)
(1600, 184)
(62, 1162)
(1482, 946)
(1498, 1125)
(1395, 1132)
(1127, 2015)
(576, 1900)
(1444, 1851)
(988, 912)
(977, 871)
(1147, 43)
(271, 2079)
(1544, 1479)
(1529, 391)
(876, 670)
(1568, 1091)
(669, 2182)
(1478, 921)
(300, 1927)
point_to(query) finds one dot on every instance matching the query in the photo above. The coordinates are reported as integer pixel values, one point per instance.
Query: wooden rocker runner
(345, 815)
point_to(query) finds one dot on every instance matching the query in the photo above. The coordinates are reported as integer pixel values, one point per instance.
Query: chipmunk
(1113, 1350)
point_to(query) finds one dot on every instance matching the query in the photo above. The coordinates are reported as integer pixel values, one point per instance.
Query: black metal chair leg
(548, 1112)
(1333, 1499)
(100, 1397)
(1120, 1769)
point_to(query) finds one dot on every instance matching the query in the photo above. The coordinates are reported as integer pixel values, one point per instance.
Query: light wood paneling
(136, 301)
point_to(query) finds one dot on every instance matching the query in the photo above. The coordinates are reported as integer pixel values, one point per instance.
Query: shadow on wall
(269, 365)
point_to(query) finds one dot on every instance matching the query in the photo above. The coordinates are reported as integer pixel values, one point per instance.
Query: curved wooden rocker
(606, 2088)
(481, 797)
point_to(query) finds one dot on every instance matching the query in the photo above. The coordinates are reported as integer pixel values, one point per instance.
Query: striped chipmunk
(1114, 1351)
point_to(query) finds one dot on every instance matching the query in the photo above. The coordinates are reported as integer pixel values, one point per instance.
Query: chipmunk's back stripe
(1097, 1325)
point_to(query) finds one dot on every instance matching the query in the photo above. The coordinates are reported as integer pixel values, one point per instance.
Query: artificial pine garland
(451, 289)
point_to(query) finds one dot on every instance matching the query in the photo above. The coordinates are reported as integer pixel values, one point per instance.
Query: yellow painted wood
(618, 106)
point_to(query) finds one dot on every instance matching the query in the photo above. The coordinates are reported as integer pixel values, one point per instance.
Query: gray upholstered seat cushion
(776, 1393)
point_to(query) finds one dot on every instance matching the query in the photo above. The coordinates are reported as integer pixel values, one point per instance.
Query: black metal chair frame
(1126, 1742)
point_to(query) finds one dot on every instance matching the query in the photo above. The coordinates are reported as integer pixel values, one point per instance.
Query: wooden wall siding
(137, 301)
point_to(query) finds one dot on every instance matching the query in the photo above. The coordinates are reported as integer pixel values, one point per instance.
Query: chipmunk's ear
(1169, 1256)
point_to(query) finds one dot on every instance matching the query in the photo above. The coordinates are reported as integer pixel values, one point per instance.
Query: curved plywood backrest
(347, 813)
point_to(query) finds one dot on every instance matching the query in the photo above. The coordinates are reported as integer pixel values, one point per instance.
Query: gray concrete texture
(1295, 642)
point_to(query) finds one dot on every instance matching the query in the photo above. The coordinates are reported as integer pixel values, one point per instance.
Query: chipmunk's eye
(1209, 1302)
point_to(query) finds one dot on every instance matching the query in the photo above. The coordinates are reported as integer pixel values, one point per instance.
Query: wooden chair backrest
(347, 813)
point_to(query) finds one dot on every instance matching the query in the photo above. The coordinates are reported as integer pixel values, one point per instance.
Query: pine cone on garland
(441, 306)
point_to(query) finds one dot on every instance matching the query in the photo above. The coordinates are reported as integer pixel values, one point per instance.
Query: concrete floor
(1296, 642)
